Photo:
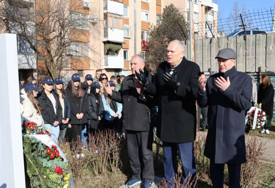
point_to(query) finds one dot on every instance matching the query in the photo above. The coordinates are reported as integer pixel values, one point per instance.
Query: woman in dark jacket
(78, 102)
(95, 107)
(87, 84)
(51, 108)
(266, 99)
(66, 108)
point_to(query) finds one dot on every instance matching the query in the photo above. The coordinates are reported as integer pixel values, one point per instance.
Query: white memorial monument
(12, 173)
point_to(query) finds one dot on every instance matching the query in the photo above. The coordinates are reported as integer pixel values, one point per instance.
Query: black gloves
(142, 76)
(171, 80)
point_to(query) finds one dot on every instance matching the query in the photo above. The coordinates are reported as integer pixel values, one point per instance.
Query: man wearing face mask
(227, 95)
(176, 90)
(136, 122)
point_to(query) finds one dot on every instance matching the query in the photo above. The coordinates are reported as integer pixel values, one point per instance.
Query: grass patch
(258, 132)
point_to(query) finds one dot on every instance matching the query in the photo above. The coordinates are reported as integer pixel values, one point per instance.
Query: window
(80, 21)
(79, 49)
(80, 72)
(144, 16)
(158, 19)
(145, 55)
(196, 20)
(125, 11)
(85, 49)
(144, 35)
(126, 54)
(116, 22)
(23, 46)
(196, 35)
(126, 32)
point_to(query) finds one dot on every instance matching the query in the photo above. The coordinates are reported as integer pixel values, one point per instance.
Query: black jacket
(177, 109)
(78, 105)
(225, 141)
(265, 96)
(136, 112)
(48, 110)
(95, 106)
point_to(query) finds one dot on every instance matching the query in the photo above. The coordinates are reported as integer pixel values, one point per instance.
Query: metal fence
(254, 52)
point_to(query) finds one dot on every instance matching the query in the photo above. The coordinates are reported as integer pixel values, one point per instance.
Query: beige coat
(30, 114)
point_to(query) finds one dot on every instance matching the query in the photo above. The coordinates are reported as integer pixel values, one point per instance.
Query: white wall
(115, 7)
(11, 157)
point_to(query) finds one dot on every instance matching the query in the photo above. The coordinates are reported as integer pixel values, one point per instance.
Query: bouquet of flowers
(256, 118)
(45, 166)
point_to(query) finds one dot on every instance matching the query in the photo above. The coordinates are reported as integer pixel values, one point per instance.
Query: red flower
(52, 155)
(56, 153)
(48, 133)
(58, 170)
(49, 151)
(31, 127)
(253, 110)
(40, 132)
(26, 123)
(259, 112)
(54, 147)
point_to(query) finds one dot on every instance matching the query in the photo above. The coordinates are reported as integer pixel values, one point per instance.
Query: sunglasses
(104, 79)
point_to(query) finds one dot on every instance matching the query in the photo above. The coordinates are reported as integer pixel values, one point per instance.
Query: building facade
(108, 33)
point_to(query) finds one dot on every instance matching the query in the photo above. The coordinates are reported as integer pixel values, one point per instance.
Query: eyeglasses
(103, 78)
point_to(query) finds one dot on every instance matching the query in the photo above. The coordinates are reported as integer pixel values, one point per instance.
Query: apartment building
(27, 63)
(109, 32)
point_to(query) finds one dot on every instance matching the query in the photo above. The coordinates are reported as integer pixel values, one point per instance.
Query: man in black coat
(136, 121)
(227, 95)
(176, 90)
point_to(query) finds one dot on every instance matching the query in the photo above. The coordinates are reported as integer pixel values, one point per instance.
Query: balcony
(113, 7)
(113, 62)
(207, 3)
(209, 17)
(113, 35)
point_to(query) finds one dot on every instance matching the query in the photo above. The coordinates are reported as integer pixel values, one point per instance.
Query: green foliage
(41, 168)
(172, 26)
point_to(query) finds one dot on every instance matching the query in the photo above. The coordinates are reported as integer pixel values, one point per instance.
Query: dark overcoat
(48, 113)
(177, 109)
(225, 141)
(266, 97)
(78, 105)
(136, 112)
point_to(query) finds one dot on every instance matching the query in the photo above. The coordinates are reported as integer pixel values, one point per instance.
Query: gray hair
(138, 56)
(181, 44)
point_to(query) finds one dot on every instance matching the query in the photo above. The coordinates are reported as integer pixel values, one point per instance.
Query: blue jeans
(54, 131)
(84, 135)
(186, 153)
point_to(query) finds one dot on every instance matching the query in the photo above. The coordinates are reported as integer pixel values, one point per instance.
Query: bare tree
(48, 27)
(235, 15)
(172, 26)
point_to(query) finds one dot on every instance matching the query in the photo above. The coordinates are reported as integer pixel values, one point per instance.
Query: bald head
(175, 52)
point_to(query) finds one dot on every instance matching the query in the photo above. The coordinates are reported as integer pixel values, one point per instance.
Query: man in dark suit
(176, 90)
(136, 121)
(227, 95)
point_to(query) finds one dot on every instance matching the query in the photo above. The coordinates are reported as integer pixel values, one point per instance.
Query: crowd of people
(128, 105)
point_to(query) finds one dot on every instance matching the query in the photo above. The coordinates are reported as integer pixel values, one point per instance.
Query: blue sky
(226, 6)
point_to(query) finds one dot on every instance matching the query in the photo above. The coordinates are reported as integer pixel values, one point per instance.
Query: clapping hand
(142, 76)
(171, 80)
(108, 88)
(202, 83)
(222, 83)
